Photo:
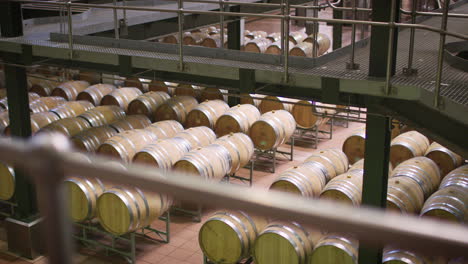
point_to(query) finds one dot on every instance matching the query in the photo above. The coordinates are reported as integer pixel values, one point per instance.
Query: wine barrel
(42, 85)
(392, 255)
(188, 90)
(176, 108)
(333, 160)
(103, 115)
(270, 103)
(82, 193)
(160, 86)
(252, 99)
(346, 188)
(146, 104)
(240, 148)
(198, 136)
(72, 109)
(227, 237)
(354, 145)
(304, 113)
(256, 34)
(7, 182)
(38, 121)
(90, 139)
(406, 146)
(136, 82)
(68, 126)
(91, 77)
(213, 41)
(165, 129)
(450, 203)
(163, 153)
(32, 98)
(70, 90)
(275, 48)
(125, 145)
(303, 49)
(206, 113)
(297, 37)
(360, 166)
(211, 162)
(306, 179)
(457, 177)
(404, 195)
(214, 94)
(258, 45)
(121, 97)
(238, 118)
(131, 122)
(4, 121)
(3, 93)
(95, 93)
(274, 37)
(446, 159)
(44, 104)
(281, 243)
(171, 39)
(272, 129)
(195, 39)
(334, 249)
(323, 42)
(126, 209)
(421, 170)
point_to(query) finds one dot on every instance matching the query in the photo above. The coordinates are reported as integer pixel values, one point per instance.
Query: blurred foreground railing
(49, 162)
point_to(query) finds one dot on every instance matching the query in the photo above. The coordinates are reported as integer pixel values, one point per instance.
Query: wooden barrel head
(187, 167)
(145, 158)
(271, 103)
(297, 52)
(197, 118)
(336, 196)
(60, 93)
(113, 213)
(354, 147)
(331, 254)
(263, 135)
(439, 213)
(77, 201)
(227, 124)
(166, 112)
(272, 248)
(220, 242)
(85, 97)
(137, 107)
(252, 47)
(110, 151)
(273, 49)
(7, 182)
(285, 186)
(444, 161)
(303, 114)
(399, 153)
(110, 100)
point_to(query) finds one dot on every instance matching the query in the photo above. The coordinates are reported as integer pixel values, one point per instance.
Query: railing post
(380, 38)
(351, 65)
(440, 58)
(116, 22)
(286, 42)
(409, 70)
(337, 28)
(180, 24)
(376, 163)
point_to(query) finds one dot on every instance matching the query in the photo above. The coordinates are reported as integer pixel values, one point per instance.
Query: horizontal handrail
(371, 226)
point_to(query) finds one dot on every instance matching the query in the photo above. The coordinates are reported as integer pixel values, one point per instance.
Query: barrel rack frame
(383, 95)
(85, 231)
(264, 158)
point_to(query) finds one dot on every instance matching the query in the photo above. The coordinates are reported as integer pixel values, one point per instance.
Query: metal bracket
(123, 28)
(352, 66)
(410, 72)
(125, 65)
(247, 81)
(330, 90)
(27, 54)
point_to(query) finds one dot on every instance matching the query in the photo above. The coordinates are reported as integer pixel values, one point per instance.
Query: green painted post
(18, 107)
(381, 11)
(234, 41)
(337, 28)
(376, 162)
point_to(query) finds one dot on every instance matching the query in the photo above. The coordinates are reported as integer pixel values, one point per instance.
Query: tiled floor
(183, 248)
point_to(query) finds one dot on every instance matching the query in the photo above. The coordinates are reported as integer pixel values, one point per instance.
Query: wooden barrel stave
(163, 153)
(449, 203)
(346, 188)
(90, 139)
(95, 93)
(238, 118)
(406, 146)
(457, 177)
(272, 129)
(165, 129)
(131, 122)
(240, 148)
(72, 109)
(333, 160)
(446, 159)
(70, 90)
(121, 97)
(68, 126)
(176, 108)
(404, 195)
(44, 104)
(198, 136)
(103, 115)
(206, 113)
(146, 104)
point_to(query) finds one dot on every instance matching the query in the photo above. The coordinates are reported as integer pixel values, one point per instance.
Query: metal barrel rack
(268, 157)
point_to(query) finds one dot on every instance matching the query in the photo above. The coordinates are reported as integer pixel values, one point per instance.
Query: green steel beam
(376, 163)
(380, 37)
(234, 31)
(337, 28)
(10, 19)
(18, 107)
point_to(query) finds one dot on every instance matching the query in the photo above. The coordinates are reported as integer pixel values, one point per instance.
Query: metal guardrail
(285, 17)
(50, 161)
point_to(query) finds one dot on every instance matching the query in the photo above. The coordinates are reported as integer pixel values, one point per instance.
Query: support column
(235, 41)
(374, 188)
(22, 229)
(337, 28)
(381, 11)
